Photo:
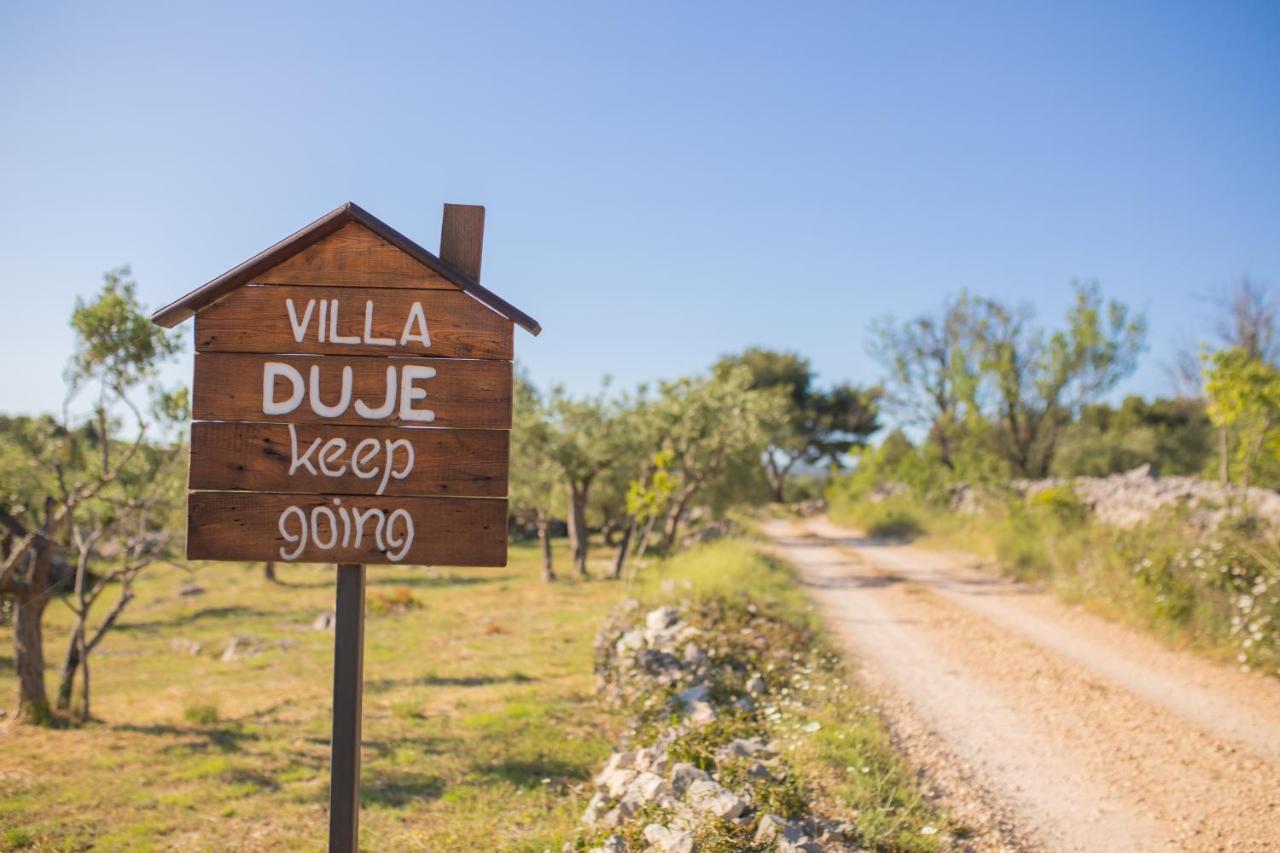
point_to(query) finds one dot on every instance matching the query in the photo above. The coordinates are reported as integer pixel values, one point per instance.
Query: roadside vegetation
(207, 722)
(1011, 414)
(212, 720)
(744, 729)
(483, 726)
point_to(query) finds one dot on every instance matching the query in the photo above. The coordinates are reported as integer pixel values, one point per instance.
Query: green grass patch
(478, 687)
(838, 752)
(1217, 591)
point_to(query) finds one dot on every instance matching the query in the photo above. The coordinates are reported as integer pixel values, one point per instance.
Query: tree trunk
(1250, 455)
(643, 544)
(1224, 469)
(28, 640)
(941, 435)
(1224, 475)
(778, 485)
(544, 539)
(578, 528)
(674, 520)
(777, 477)
(66, 683)
(620, 561)
(84, 680)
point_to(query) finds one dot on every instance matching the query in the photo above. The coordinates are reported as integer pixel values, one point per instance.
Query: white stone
(667, 840)
(685, 633)
(652, 758)
(661, 618)
(693, 654)
(616, 782)
(683, 775)
(715, 799)
(755, 684)
(769, 828)
(595, 807)
(633, 639)
(649, 787)
(700, 712)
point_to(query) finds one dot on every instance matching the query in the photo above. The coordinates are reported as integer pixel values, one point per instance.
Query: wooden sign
(351, 404)
(352, 399)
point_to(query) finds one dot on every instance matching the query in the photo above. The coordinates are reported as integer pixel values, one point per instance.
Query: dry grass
(479, 721)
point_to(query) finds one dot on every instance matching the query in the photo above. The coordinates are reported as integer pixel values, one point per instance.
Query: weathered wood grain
(247, 526)
(463, 393)
(355, 256)
(348, 460)
(462, 237)
(256, 318)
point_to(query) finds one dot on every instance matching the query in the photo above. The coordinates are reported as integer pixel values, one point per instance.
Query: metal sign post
(348, 694)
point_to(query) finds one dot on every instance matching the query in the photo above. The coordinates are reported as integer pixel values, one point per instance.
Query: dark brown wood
(355, 256)
(463, 393)
(258, 457)
(257, 318)
(247, 526)
(180, 309)
(348, 696)
(462, 237)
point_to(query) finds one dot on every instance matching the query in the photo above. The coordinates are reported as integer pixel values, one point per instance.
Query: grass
(837, 746)
(1216, 592)
(480, 724)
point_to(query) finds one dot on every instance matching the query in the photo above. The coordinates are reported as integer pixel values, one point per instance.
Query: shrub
(201, 713)
(1059, 503)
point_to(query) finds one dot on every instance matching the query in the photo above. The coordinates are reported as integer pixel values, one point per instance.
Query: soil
(1040, 725)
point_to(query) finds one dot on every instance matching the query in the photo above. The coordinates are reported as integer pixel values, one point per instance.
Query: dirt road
(1042, 726)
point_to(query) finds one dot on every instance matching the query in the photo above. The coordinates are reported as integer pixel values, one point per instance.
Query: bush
(1061, 504)
(894, 517)
(201, 713)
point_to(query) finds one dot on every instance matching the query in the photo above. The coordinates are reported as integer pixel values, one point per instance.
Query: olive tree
(709, 425)
(817, 425)
(1040, 381)
(537, 494)
(73, 483)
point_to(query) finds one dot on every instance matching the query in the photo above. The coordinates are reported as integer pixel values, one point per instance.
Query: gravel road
(1043, 726)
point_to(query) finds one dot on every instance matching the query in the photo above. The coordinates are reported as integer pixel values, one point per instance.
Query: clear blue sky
(665, 182)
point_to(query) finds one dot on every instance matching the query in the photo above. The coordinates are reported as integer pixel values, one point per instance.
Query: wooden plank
(386, 460)
(461, 393)
(356, 257)
(258, 318)
(462, 237)
(310, 528)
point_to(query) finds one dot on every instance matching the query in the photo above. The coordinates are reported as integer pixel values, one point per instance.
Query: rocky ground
(718, 696)
(1129, 499)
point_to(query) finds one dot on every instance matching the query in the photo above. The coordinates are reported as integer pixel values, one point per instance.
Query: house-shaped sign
(352, 399)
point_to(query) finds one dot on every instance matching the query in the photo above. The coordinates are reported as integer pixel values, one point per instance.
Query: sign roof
(180, 309)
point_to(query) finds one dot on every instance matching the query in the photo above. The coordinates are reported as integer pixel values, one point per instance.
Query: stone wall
(1125, 500)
